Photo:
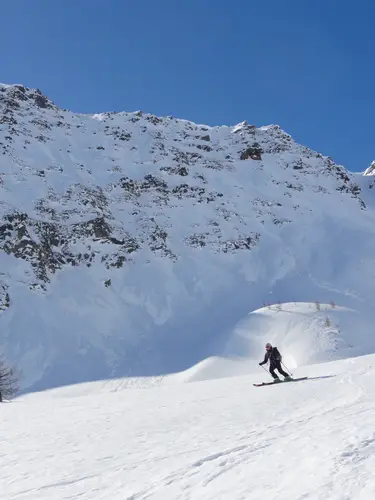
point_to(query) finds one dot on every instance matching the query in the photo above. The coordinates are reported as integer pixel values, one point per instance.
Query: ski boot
(288, 378)
(276, 380)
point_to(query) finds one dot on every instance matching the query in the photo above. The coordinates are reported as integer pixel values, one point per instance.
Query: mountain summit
(133, 244)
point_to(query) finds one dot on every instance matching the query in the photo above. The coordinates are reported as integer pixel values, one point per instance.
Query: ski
(276, 383)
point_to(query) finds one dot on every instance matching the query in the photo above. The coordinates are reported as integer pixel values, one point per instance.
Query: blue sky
(307, 65)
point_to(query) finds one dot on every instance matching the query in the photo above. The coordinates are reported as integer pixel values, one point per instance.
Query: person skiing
(274, 357)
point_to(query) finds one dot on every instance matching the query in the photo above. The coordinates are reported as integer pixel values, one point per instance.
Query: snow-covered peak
(370, 170)
(243, 127)
(132, 244)
(14, 97)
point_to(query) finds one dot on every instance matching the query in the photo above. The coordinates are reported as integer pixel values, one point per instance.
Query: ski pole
(287, 369)
(266, 371)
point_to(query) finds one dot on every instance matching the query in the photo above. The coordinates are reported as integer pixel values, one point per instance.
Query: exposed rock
(253, 152)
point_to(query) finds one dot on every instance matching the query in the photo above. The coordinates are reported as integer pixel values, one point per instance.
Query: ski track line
(225, 460)
(358, 457)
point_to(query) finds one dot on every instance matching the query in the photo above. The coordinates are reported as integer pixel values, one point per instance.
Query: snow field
(220, 438)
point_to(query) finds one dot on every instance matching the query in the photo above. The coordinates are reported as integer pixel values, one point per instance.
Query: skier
(274, 357)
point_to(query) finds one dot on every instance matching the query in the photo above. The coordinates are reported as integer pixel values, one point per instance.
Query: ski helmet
(268, 346)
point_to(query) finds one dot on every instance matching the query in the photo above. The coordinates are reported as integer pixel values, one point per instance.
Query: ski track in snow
(205, 440)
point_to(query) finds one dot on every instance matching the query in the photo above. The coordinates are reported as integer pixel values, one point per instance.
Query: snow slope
(305, 333)
(218, 439)
(133, 245)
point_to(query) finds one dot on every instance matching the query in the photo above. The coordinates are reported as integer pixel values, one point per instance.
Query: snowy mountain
(135, 245)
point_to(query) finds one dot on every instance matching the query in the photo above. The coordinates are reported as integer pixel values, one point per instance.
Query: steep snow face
(132, 244)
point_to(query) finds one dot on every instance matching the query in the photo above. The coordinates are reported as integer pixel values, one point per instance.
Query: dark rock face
(253, 152)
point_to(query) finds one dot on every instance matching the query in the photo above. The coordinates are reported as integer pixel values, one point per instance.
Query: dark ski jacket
(272, 356)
